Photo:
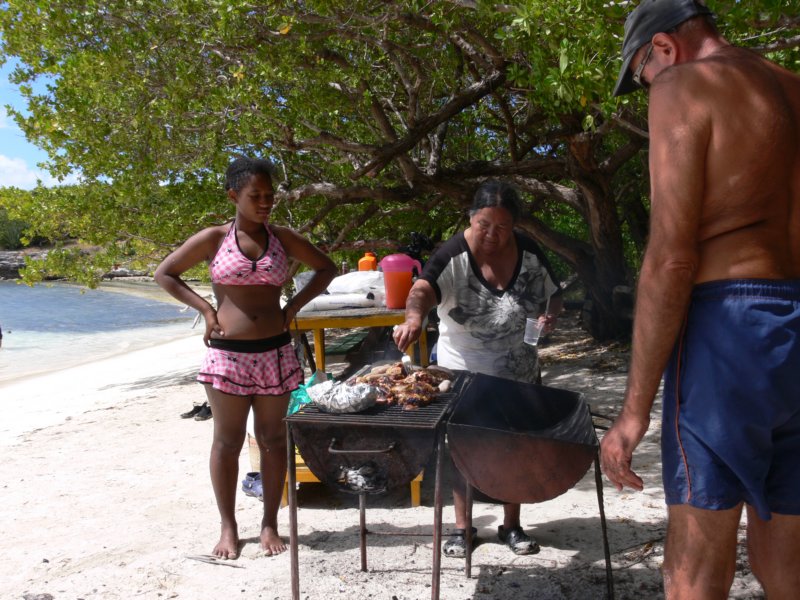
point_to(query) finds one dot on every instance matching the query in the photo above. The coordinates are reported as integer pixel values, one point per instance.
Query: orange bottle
(368, 262)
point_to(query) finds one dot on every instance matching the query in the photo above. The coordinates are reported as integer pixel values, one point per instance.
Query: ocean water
(55, 326)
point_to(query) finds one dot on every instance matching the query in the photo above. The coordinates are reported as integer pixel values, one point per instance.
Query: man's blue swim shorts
(731, 428)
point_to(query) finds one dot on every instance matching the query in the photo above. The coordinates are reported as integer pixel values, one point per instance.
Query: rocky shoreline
(12, 261)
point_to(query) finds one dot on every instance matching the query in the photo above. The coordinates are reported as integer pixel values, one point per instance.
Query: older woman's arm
(421, 299)
(554, 308)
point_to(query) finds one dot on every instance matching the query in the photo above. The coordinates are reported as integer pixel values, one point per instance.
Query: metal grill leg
(292, 482)
(437, 518)
(362, 519)
(598, 480)
(468, 531)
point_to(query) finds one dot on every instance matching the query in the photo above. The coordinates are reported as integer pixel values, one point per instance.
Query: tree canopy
(383, 117)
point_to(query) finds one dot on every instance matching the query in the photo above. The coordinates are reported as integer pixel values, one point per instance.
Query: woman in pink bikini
(250, 362)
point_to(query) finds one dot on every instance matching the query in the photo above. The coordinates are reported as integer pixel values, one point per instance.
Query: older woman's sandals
(517, 540)
(456, 544)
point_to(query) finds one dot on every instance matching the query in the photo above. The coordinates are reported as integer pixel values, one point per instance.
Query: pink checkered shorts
(266, 367)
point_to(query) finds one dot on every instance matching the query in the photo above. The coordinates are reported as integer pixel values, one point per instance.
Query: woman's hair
(493, 194)
(242, 169)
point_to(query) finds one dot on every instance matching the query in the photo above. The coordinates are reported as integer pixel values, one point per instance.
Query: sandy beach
(106, 494)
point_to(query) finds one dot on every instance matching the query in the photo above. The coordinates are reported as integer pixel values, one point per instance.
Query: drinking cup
(533, 329)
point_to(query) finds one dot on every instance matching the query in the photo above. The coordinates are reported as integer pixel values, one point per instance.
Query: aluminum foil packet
(338, 397)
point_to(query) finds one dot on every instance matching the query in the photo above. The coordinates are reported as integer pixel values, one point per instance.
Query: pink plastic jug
(397, 273)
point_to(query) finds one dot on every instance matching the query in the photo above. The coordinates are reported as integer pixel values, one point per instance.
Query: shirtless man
(718, 302)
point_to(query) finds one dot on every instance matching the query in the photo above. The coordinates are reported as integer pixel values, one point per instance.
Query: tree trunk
(604, 270)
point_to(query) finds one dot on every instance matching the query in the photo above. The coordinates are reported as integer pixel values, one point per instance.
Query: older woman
(486, 281)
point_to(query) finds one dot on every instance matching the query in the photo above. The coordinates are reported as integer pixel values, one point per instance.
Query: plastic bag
(358, 289)
(337, 301)
(357, 282)
(301, 279)
(300, 396)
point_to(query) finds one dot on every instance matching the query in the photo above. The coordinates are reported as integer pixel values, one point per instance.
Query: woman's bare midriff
(243, 315)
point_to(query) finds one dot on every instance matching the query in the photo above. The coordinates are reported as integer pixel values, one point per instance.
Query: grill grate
(424, 417)
(382, 415)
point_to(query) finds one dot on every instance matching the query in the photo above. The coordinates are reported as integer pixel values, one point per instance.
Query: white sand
(41, 401)
(105, 493)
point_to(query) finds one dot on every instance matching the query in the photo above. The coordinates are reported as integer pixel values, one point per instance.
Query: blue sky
(18, 157)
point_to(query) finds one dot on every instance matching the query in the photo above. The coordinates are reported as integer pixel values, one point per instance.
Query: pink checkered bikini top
(232, 267)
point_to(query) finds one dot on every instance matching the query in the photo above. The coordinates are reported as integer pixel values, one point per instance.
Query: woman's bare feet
(271, 542)
(228, 545)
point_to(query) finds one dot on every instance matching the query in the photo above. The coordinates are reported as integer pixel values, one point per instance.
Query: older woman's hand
(406, 334)
(549, 321)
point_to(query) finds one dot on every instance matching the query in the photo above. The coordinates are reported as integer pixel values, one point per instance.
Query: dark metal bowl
(518, 442)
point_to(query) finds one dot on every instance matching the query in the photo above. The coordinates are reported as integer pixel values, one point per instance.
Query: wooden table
(351, 318)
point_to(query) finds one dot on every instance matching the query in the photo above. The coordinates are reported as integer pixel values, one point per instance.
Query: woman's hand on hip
(212, 327)
(289, 314)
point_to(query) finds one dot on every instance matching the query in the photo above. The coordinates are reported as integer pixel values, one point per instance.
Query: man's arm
(680, 129)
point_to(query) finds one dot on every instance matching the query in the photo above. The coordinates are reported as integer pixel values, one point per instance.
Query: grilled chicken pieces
(407, 390)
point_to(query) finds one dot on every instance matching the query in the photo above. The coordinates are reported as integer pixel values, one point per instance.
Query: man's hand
(616, 450)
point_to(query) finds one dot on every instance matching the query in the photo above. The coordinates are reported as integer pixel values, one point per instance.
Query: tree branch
(562, 193)
(555, 167)
(614, 162)
(628, 126)
(329, 140)
(784, 44)
(466, 98)
(342, 195)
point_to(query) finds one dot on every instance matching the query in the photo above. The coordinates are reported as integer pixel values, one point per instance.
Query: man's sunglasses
(637, 74)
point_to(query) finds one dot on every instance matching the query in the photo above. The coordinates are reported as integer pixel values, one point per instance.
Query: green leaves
(150, 99)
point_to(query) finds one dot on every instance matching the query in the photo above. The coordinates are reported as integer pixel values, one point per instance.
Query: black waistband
(250, 346)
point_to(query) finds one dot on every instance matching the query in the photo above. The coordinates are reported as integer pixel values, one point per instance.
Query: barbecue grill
(546, 433)
(370, 452)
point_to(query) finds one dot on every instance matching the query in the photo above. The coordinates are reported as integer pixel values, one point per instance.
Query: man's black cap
(646, 20)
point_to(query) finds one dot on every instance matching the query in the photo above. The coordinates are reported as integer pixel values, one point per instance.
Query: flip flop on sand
(204, 413)
(516, 539)
(195, 409)
(456, 544)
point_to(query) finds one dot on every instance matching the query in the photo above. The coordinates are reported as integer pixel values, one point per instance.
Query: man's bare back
(750, 220)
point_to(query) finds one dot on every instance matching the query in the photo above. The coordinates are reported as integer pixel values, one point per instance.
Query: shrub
(11, 232)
